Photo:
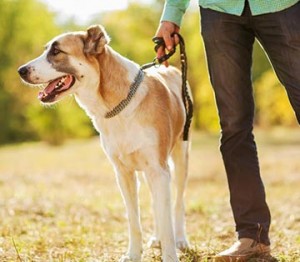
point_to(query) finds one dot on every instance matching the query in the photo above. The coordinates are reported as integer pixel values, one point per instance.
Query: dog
(142, 136)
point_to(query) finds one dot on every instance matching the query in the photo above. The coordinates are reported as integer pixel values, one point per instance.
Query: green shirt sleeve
(174, 11)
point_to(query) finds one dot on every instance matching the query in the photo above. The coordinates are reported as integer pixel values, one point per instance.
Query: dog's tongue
(51, 86)
(59, 84)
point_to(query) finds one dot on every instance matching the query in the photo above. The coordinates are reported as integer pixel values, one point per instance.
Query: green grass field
(63, 204)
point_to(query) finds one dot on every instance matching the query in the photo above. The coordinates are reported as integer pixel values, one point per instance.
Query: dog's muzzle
(52, 88)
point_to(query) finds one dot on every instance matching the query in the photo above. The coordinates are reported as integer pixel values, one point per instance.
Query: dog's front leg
(180, 156)
(127, 182)
(159, 183)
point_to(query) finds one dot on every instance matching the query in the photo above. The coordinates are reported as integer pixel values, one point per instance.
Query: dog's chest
(122, 138)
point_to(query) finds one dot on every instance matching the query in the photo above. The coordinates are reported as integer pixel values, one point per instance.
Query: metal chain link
(132, 90)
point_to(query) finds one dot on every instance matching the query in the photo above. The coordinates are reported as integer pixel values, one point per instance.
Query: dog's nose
(23, 70)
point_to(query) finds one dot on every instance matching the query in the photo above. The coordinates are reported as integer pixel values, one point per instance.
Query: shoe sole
(241, 258)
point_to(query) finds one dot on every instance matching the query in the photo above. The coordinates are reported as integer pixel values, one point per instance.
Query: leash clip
(156, 62)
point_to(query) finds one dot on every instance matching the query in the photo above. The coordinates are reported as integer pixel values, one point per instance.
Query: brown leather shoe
(242, 250)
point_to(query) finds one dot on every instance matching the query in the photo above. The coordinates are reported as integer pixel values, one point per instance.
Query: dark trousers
(229, 42)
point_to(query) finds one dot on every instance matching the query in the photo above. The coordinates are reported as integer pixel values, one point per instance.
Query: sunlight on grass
(63, 204)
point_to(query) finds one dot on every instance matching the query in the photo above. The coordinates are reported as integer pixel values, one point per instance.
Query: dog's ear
(96, 39)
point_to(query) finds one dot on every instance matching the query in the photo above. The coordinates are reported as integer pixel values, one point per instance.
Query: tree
(25, 27)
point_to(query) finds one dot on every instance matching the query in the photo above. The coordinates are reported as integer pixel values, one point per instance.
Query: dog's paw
(182, 245)
(128, 258)
(154, 243)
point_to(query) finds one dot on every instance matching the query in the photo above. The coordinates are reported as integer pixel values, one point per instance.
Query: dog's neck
(116, 73)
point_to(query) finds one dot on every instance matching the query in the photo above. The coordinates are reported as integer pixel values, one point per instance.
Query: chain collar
(132, 90)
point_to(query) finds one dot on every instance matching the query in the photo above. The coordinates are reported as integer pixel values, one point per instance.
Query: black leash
(188, 103)
(187, 100)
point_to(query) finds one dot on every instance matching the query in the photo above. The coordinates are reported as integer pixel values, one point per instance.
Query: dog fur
(141, 138)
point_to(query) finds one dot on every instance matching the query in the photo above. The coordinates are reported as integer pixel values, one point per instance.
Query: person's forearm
(174, 11)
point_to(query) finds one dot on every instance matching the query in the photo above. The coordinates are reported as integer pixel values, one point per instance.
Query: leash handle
(157, 61)
(159, 42)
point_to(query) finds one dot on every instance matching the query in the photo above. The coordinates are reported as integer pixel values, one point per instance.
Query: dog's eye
(55, 51)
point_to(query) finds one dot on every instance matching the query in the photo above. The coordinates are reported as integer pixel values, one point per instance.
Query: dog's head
(68, 63)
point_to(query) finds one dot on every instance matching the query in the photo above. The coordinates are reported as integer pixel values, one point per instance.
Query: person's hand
(165, 30)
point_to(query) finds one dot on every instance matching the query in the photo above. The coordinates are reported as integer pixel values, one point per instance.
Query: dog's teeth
(61, 83)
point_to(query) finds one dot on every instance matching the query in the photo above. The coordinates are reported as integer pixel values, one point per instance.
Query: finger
(169, 41)
(160, 53)
(176, 39)
(166, 63)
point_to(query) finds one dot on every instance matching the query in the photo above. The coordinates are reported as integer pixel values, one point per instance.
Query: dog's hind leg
(158, 179)
(127, 182)
(180, 155)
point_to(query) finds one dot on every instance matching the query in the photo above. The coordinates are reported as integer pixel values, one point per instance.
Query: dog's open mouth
(56, 87)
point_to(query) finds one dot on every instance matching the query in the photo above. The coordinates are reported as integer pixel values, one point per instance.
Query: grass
(63, 204)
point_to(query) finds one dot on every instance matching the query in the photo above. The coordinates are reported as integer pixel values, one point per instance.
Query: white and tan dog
(142, 137)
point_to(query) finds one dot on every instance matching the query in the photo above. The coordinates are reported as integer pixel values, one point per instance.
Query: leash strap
(187, 100)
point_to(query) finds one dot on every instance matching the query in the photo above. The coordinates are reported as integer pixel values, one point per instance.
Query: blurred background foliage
(27, 25)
